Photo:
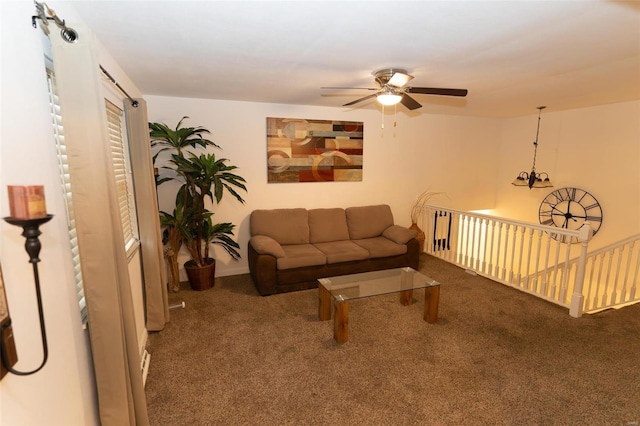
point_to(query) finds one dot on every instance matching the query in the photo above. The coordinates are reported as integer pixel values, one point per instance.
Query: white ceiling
(512, 56)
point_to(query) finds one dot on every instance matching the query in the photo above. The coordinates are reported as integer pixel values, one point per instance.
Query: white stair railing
(544, 261)
(612, 274)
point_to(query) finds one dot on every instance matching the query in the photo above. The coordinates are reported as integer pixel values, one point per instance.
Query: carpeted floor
(496, 356)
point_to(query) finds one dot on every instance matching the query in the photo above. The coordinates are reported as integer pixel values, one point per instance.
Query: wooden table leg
(324, 303)
(406, 282)
(431, 302)
(406, 297)
(341, 321)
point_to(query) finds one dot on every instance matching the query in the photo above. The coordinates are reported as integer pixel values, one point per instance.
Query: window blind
(121, 167)
(63, 165)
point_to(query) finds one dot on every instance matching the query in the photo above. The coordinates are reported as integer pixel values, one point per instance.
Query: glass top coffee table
(341, 289)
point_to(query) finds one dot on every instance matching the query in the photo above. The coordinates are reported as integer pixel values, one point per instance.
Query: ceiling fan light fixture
(392, 90)
(389, 97)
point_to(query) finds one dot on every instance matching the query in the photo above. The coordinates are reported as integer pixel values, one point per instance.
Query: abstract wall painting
(301, 150)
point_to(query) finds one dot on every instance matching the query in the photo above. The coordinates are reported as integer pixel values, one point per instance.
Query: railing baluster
(470, 239)
(535, 276)
(554, 285)
(590, 299)
(625, 281)
(459, 227)
(603, 302)
(612, 295)
(485, 227)
(619, 297)
(635, 277)
(545, 277)
(477, 242)
(506, 246)
(520, 256)
(597, 264)
(454, 220)
(473, 225)
(497, 271)
(480, 235)
(565, 275)
(528, 270)
(463, 241)
(513, 251)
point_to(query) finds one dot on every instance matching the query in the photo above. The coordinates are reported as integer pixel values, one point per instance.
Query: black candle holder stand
(31, 231)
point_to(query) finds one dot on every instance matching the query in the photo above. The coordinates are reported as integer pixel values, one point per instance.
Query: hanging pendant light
(533, 179)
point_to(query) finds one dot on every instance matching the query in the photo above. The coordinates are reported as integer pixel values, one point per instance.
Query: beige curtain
(156, 298)
(112, 330)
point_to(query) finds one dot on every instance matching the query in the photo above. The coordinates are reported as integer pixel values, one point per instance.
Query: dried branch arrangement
(416, 207)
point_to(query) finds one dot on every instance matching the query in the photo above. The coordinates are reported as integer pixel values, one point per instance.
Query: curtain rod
(68, 34)
(134, 103)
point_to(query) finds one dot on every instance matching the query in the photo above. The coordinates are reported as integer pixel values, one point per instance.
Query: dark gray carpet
(496, 356)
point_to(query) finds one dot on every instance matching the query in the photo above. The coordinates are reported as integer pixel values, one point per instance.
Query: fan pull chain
(395, 114)
(382, 118)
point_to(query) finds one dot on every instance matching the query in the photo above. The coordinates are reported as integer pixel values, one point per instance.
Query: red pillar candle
(27, 202)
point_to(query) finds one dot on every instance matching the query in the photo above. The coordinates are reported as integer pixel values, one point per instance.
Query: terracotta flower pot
(201, 278)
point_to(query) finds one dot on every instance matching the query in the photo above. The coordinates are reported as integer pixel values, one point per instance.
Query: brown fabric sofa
(290, 249)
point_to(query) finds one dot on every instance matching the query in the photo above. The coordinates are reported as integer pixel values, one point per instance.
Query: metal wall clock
(570, 208)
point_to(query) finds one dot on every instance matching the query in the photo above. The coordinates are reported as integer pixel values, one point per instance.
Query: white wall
(62, 393)
(440, 152)
(596, 149)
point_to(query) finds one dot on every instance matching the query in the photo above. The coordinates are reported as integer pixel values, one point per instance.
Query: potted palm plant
(203, 179)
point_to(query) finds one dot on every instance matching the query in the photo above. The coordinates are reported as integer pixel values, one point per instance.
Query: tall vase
(421, 236)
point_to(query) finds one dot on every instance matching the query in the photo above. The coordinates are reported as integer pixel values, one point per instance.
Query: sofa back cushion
(368, 221)
(286, 226)
(327, 225)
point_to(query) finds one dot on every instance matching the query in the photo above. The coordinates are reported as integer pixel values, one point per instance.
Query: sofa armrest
(266, 245)
(263, 270)
(399, 234)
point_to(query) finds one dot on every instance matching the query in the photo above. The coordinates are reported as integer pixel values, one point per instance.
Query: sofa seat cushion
(368, 221)
(327, 225)
(301, 255)
(342, 251)
(381, 247)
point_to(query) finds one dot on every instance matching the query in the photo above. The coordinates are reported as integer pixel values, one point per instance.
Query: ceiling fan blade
(437, 91)
(348, 88)
(399, 79)
(409, 102)
(361, 99)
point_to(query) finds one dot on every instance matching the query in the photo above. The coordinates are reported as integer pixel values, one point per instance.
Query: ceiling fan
(392, 89)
